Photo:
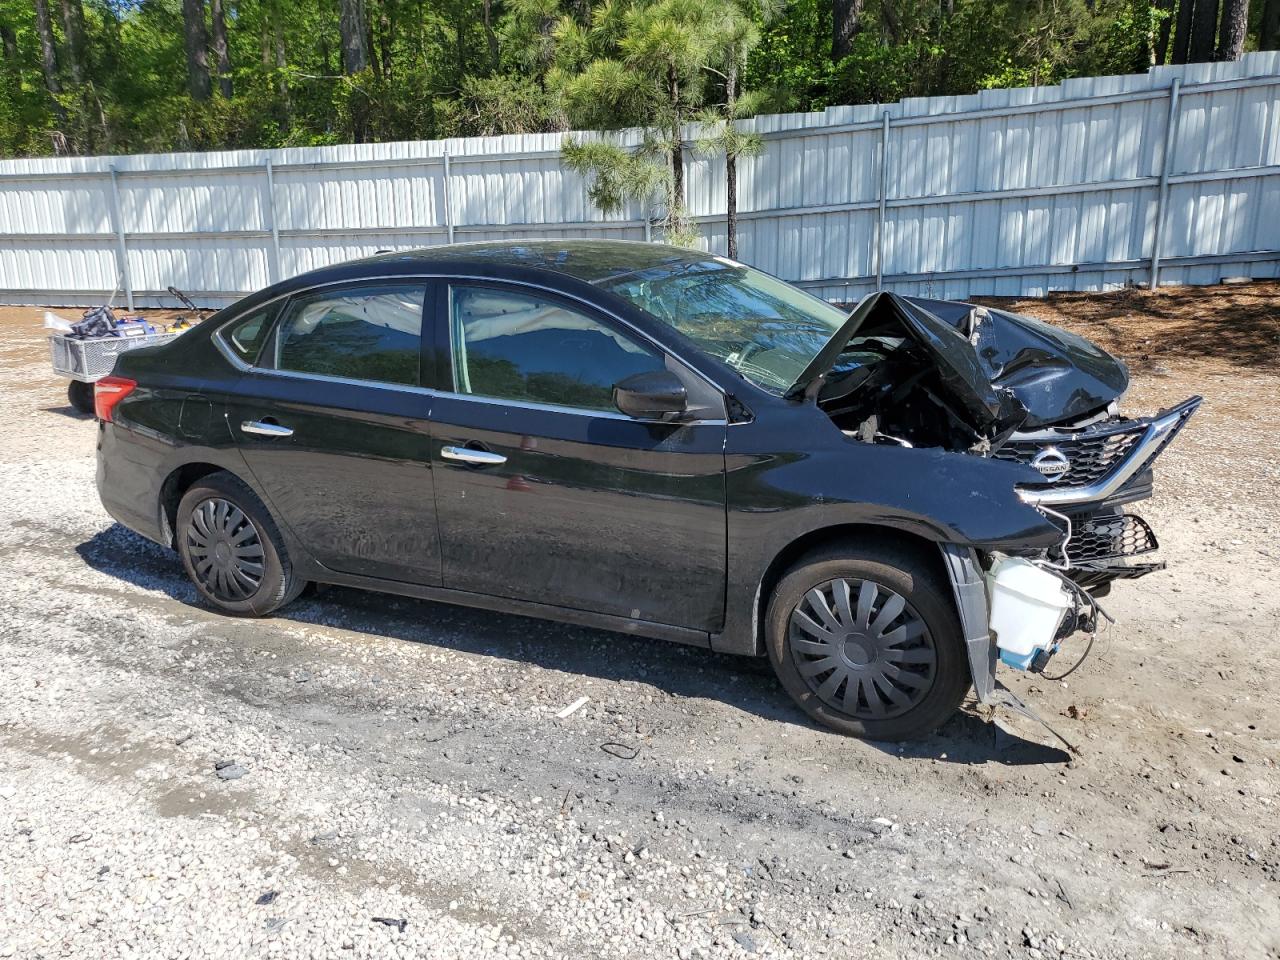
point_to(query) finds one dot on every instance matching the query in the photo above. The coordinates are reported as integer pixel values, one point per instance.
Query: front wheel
(867, 642)
(232, 549)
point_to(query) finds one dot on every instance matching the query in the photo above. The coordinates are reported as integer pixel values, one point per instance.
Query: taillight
(109, 391)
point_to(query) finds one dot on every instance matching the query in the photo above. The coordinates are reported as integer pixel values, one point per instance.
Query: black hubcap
(225, 550)
(862, 649)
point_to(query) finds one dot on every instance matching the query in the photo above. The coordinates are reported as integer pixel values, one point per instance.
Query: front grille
(1109, 538)
(1092, 454)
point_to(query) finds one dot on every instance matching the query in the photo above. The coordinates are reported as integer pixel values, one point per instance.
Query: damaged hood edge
(1014, 372)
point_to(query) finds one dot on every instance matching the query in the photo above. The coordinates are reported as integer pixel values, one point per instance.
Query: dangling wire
(1080, 597)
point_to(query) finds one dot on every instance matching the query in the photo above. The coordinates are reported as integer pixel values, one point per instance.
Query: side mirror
(653, 395)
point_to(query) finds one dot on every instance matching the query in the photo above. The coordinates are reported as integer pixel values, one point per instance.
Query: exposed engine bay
(937, 373)
(972, 380)
(982, 382)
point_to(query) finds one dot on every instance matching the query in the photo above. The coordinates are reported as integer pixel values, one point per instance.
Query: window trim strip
(445, 278)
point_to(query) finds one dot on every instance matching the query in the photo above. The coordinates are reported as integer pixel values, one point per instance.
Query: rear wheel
(232, 549)
(80, 396)
(867, 642)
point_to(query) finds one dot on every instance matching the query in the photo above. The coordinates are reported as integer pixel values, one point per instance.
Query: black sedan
(649, 440)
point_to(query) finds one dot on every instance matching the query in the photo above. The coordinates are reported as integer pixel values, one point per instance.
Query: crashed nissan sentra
(887, 504)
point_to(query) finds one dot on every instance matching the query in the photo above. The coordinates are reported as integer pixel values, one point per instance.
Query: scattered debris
(744, 939)
(573, 708)
(80, 838)
(229, 770)
(622, 751)
(267, 898)
(399, 924)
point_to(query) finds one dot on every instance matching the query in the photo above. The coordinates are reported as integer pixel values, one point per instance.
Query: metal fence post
(884, 193)
(275, 227)
(122, 251)
(1166, 164)
(448, 202)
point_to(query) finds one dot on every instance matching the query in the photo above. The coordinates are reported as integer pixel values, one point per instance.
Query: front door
(334, 423)
(546, 492)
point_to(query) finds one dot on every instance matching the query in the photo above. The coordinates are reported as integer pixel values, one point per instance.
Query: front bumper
(1107, 464)
(1102, 459)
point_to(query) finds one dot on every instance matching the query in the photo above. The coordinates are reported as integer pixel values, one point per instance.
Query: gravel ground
(395, 781)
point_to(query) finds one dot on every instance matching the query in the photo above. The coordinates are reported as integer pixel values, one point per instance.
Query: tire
(908, 673)
(232, 549)
(80, 396)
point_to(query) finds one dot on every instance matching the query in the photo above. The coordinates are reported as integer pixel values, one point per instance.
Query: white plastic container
(1027, 608)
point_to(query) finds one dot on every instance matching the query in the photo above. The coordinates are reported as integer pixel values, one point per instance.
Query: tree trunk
(731, 163)
(490, 37)
(282, 85)
(355, 52)
(73, 30)
(1204, 31)
(1161, 51)
(1231, 30)
(220, 52)
(387, 41)
(460, 48)
(677, 145)
(1182, 30)
(892, 23)
(48, 52)
(846, 23)
(1269, 29)
(195, 40)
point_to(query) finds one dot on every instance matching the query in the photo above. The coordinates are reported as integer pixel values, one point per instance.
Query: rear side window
(369, 333)
(517, 346)
(245, 336)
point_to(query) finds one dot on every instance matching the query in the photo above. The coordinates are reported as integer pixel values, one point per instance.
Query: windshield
(765, 329)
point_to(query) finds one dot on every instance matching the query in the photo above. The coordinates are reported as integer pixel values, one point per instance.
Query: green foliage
(436, 68)
(615, 175)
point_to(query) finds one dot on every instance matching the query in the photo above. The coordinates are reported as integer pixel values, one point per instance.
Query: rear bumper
(130, 470)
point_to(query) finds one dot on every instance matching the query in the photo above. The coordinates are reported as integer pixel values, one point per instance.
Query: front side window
(369, 333)
(518, 346)
(766, 329)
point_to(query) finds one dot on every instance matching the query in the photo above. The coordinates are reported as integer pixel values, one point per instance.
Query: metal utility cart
(84, 362)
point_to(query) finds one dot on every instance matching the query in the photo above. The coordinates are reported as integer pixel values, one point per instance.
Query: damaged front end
(986, 383)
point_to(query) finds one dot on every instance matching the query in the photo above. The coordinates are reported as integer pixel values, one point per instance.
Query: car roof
(589, 260)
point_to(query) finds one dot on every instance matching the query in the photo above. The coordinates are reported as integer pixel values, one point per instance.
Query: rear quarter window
(246, 335)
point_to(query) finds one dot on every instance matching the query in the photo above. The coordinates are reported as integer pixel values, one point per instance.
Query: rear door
(334, 422)
(545, 491)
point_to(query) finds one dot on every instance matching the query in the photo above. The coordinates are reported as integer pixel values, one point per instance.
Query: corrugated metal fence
(1093, 184)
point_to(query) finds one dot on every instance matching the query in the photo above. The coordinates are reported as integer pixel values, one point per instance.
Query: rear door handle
(480, 458)
(264, 429)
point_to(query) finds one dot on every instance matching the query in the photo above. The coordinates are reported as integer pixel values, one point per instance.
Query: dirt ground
(405, 761)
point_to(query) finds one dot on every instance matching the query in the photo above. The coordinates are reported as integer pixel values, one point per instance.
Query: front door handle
(264, 428)
(480, 458)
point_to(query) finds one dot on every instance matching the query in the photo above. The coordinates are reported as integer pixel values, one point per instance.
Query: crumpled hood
(1055, 374)
(1003, 371)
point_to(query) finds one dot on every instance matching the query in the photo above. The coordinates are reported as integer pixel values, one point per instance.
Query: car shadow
(685, 671)
(66, 410)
